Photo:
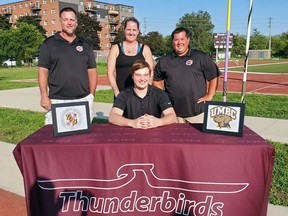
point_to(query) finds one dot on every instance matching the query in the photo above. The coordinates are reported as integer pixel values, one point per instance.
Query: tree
(31, 20)
(258, 41)
(4, 23)
(239, 45)
(25, 41)
(280, 45)
(88, 28)
(156, 43)
(201, 29)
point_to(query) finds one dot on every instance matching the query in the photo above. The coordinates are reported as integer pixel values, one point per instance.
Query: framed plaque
(70, 118)
(224, 118)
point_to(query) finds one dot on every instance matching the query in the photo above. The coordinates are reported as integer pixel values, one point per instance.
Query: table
(171, 170)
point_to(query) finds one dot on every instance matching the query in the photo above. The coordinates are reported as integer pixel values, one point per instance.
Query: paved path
(11, 182)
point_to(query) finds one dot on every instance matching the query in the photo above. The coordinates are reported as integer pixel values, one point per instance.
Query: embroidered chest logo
(189, 62)
(79, 48)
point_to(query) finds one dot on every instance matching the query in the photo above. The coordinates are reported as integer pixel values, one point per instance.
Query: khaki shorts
(89, 98)
(193, 119)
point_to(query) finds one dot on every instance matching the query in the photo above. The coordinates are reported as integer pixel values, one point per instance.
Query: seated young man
(143, 106)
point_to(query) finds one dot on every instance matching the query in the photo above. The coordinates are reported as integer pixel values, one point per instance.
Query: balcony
(35, 7)
(7, 12)
(113, 31)
(90, 9)
(113, 22)
(113, 12)
(37, 17)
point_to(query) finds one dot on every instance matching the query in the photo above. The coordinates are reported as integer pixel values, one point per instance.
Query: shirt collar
(58, 37)
(174, 54)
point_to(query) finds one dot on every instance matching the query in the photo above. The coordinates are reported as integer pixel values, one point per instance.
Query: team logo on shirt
(79, 48)
(189, 62)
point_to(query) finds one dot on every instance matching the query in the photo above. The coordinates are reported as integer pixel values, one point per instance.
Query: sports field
(265, 77)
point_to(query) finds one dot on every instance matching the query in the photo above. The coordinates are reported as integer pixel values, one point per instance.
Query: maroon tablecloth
(172, 170)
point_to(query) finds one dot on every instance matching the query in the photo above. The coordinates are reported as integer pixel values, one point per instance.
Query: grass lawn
(15, 124)
(273, 68)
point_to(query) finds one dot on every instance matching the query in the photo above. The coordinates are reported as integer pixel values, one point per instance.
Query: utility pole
(145, 26)
(270, 26)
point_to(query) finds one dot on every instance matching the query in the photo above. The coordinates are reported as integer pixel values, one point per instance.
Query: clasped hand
(146, 121)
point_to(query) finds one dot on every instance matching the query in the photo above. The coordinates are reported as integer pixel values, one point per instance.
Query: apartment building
(46, 12)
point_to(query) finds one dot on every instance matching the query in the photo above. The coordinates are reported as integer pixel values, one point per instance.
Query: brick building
(46, 12)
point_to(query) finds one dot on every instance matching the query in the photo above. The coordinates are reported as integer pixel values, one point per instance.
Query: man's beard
(70, 33)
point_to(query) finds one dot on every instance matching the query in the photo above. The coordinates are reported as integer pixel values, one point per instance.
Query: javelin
(227, 51)
(246, 53)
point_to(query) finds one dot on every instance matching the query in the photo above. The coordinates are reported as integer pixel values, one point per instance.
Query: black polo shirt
(154, 103)
(68, 65)
(185, 79)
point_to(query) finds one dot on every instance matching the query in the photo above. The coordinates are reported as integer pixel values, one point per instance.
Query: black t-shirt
(124, 68)
(154, 103)
(68, 65)
(185, 79)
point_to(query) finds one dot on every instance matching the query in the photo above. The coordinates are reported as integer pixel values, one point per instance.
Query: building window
(98, 6)
(53, 21)
(21, 6)
(99, 35)
(26, 5)
(15, 17)
(105, 7)
(45, 22)
(106, 45)
(53, 11)
(54, 32)
(98, 16)
(52, 1)
(45, 12)
(130, 10)
(44, 1)
(106, 36)
(106, 26)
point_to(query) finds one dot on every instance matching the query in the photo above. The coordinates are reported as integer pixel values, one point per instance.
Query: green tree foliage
(4, 23)
(88, 28)
(280, 45)
(156, 43)
(25, 41)
(201, 29)
(31, 20)
(239, 45)
(258, 41)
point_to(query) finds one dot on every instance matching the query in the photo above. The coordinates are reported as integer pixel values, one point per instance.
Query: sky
(163, 15)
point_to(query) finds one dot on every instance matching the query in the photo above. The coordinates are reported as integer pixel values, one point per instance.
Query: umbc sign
(171, 195)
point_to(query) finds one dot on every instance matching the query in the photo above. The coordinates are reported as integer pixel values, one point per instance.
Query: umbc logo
(223, 115)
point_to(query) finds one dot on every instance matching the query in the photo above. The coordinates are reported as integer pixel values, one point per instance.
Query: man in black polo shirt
(67, 67)
(143, 106)
(187, 73)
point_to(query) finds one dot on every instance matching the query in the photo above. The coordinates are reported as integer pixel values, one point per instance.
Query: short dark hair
(131, 19)
(67, 9)
(140, 64)
(180, 29)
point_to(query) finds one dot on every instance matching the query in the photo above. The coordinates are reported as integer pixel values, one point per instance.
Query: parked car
(9, 63)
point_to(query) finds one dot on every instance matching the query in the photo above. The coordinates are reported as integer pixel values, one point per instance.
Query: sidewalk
(28, 99)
